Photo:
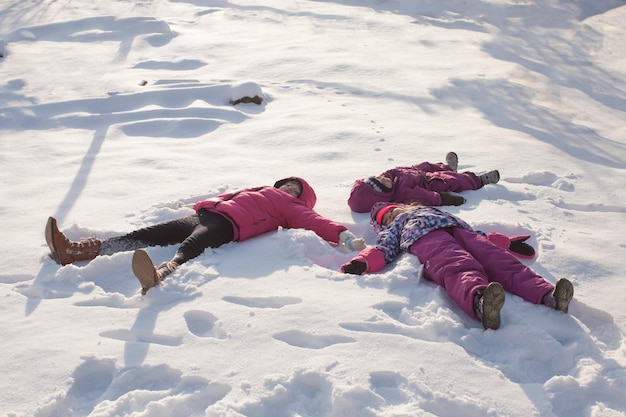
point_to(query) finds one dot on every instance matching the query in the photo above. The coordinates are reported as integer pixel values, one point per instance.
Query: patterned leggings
(194, 233)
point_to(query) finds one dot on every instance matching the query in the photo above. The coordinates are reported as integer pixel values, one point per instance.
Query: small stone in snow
(248, 92)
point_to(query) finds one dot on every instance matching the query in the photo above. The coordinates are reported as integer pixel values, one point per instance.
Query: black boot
(487, 305)
(561, 296)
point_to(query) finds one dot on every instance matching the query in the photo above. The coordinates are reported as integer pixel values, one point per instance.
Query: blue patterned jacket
(411, 225)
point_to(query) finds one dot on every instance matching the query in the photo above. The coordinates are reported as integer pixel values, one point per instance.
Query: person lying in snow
(473, 270)
(426, 183)
(228, 217)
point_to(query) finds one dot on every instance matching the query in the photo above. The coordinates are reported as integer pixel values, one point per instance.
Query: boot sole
(50, 226)
(493, 300)
(563, 294)
(452, 160)
(144, 270)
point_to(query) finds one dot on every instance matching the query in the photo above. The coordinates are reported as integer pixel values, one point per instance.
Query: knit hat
(377, 185)
(379, 210)
(363, 196)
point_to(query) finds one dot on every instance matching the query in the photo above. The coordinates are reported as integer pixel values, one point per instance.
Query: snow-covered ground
(116, 114)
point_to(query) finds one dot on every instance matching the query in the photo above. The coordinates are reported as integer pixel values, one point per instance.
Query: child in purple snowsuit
(473, 270)
(426, 183)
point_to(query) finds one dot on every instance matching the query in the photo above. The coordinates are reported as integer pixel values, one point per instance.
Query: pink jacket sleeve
(301, 217)
(373, 258)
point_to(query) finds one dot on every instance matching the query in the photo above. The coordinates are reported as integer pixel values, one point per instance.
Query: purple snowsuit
(453, 255)
(419, 184)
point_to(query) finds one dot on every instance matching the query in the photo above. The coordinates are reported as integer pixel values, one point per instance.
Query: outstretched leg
(65, 251)
(501, 266)
(146, 273)
(211, 230)
(161, 234)
(489, 305)
(452, 181)
(560, 298)
(451, 266)
(194, 233)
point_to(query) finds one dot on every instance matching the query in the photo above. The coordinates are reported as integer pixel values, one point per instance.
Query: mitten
(516, 245)
(354, 267)
(449, 199)
(348, 242)
(520, 248)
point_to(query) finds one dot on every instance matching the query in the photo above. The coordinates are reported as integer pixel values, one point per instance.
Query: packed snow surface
(115, 115)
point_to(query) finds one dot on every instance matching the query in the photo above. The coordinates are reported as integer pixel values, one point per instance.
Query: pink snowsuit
(419, 184)
(454, 256)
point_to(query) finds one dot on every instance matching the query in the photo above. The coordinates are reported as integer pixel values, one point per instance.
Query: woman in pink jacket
(224, 218)
(472, 269)
(426, 183)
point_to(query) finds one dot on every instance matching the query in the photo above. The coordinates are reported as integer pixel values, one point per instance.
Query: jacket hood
(363, 197)
(307, 195)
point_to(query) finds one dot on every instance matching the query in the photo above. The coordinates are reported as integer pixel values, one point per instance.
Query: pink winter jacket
(254, 211)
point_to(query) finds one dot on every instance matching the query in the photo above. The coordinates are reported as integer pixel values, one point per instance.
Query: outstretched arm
(368, 260)
(349, 243)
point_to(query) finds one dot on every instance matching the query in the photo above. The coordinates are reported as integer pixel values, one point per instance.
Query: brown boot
(64, 251)
(147, 274)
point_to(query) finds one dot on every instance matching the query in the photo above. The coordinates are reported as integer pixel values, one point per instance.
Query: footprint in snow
(309, 341)
(202, 324)
(263, 302)
(100, 388)
(389, 385)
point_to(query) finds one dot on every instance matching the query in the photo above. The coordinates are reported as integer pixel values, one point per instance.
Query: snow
(116, 114)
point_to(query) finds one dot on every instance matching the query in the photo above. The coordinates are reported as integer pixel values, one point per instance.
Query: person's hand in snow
(449, 199)
(354, 267)
(348, 242)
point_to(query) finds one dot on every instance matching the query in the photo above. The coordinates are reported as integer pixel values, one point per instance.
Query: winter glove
(449, 199)
(520, 248)
(516, 245)
(354, 267)
(348, 242)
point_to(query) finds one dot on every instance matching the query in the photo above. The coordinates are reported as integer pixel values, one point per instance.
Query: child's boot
(490, 177)
(560, 298)
(452, 160)
(147, 274)
(64, 251)
(487, 305)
